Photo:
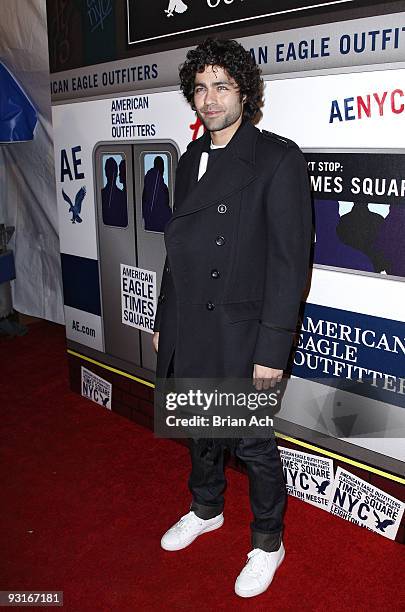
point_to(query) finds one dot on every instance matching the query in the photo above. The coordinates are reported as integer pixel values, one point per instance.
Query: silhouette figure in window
(390, 240)
(114, 200)
(156, 210)
(359, 229)
(329, 250)
(123, 176)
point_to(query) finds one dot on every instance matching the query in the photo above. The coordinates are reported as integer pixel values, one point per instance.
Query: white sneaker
(258, 572)
(187, 529)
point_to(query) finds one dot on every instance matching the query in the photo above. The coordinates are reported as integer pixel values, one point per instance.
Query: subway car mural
(117, 163)
(134, 200)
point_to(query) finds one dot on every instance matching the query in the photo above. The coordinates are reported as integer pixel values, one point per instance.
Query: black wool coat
(237, 260)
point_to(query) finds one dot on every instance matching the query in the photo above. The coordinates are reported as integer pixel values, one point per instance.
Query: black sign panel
(359, 211)
(159, 19)
(358, 177)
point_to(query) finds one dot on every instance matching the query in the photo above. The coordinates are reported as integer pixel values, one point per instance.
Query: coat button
(222, 208)
(214, 273)
(210, 306)
(161, 298)
(167, 269)
(220, 240)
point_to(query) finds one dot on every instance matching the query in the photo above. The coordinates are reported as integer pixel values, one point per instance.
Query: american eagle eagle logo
(321, 488)
(382, 525)
(75, 208)
(104, 400)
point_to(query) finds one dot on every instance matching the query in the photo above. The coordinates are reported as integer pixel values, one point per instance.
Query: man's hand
(264, 377)
(155, 341)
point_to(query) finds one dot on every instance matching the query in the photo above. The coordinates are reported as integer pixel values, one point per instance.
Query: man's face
(217, 99)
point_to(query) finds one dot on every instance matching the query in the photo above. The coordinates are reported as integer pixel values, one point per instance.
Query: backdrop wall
(337, 90)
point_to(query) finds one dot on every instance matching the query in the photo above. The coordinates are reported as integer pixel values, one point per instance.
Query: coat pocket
(243, 311)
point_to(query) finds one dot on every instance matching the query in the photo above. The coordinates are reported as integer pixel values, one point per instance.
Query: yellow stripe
(111, 369)
(322, 451)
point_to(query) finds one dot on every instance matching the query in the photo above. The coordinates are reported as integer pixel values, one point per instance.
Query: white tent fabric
(27, 179)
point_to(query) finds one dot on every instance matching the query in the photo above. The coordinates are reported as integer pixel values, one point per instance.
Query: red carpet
(87, 494)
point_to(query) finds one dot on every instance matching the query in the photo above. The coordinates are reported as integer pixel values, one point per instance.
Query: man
(237, 262)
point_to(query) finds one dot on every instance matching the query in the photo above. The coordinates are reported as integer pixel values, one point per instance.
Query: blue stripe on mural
(342, 348)
(81, 285)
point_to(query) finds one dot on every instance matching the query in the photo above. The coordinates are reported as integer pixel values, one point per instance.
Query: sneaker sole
(260, 590)
(206, 530)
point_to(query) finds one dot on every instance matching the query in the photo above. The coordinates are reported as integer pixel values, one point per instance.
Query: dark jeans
(267, 490)
(266, 485)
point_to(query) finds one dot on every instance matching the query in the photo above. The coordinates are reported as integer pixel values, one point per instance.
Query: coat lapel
(232, 171)
(186, 177)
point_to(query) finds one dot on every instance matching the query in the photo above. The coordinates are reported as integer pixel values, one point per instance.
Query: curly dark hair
(239, 64)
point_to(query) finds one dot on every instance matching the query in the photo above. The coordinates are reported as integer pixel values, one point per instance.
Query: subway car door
(116, 242)
(155, 164)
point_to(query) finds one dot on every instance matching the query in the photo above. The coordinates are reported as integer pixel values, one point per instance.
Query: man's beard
(216, 124)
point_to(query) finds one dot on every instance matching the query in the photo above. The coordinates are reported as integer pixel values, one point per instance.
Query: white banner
(84, 328)
(138, 297)
(361, 110)
(96, 388)
(361, 503)
(307, 476)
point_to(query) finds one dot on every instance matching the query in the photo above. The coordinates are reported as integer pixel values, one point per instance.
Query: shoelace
(255, 562)
(187, 517)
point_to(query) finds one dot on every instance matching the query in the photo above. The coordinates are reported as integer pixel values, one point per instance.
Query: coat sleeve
(167, 291)
(289, 230)
(166, 294)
